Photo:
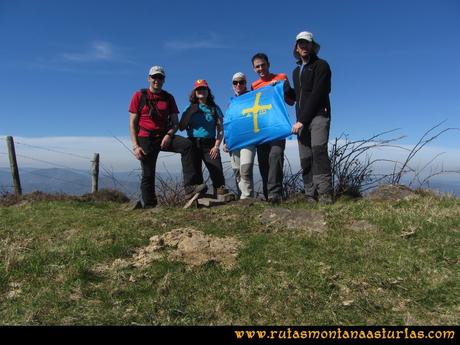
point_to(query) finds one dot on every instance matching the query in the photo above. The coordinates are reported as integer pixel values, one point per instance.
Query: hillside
(359, 262)
(73, 182)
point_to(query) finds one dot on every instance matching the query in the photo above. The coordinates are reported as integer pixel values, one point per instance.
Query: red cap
(200, 83)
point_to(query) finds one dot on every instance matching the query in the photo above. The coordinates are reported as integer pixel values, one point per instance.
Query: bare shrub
(404, 168)
(8, 199)
(353, 167)
(292, 182)
(352, 164)
(169, 191)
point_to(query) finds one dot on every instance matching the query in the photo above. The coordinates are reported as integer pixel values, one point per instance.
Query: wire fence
(72, 180)
(59, 179)
(68, 178)
(52, 150)
(49, 163)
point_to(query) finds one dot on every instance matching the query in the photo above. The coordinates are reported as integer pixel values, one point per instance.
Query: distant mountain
(76, 182)
(6, 182)
(56, 180)
(445, 186)
(442, 183)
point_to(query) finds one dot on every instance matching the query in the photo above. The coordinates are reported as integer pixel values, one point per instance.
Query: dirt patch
(392, 193)
(192, 247)
(281, 219)
(186, 245)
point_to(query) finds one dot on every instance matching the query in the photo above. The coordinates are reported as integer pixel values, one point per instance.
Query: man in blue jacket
(312, 84)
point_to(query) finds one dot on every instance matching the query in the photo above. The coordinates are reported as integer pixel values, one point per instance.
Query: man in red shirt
(271, 155)
(153, 123)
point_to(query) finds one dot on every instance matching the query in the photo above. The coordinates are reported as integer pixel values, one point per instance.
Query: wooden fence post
(95, 173)
(14, 166)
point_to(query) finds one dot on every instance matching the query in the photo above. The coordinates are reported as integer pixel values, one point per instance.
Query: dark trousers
(271, 160)
(200, 153)
(151, 146)
(314, 158)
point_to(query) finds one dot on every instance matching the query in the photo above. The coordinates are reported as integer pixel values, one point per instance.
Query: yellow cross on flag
(256, 110)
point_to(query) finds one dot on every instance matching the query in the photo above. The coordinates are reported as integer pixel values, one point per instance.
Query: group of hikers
(154, 121)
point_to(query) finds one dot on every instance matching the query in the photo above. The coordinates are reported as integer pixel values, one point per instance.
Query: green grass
(403, 270)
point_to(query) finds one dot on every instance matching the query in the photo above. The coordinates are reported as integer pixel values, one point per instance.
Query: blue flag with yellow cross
(257, 117)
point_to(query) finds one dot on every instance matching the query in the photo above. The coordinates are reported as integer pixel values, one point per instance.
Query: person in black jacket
(312, 85)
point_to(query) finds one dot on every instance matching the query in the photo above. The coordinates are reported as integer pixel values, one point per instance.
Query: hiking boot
(134, 205)
(310, 199)
(152, 203)
(274, 199)
(247, 201)
(221, 190)
(325, 199)
(192, 190)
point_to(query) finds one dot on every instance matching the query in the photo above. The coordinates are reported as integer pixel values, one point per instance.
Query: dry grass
(104, 195)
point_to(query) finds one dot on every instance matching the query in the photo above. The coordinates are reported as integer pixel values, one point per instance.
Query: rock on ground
(280, 219)
(392, 193)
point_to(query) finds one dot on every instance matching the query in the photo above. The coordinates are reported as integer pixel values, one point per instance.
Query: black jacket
(312, 90)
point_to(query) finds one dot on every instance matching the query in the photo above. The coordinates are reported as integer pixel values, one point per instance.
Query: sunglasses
(158, 77)
(241, 82)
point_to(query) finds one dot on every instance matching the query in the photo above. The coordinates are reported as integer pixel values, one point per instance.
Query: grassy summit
(352, 263)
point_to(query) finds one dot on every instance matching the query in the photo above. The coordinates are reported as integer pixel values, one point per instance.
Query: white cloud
(80, 60)
(98, 51)
(210, 42)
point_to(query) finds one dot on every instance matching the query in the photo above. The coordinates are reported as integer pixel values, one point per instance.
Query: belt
(202, 140)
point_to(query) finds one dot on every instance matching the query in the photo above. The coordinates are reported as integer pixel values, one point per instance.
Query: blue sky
(69, 68)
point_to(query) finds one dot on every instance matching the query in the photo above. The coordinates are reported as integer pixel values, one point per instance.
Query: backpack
(153, 110)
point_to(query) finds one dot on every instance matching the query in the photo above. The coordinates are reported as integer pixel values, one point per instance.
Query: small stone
(347, 303)
(226, 197)
(208, 202)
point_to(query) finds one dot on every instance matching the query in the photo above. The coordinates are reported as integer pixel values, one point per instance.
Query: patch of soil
(280, 219)
(186, 245)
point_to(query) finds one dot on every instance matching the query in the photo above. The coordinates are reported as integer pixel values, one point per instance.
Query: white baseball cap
(238, 75)
(307, 36)
(157, 70)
